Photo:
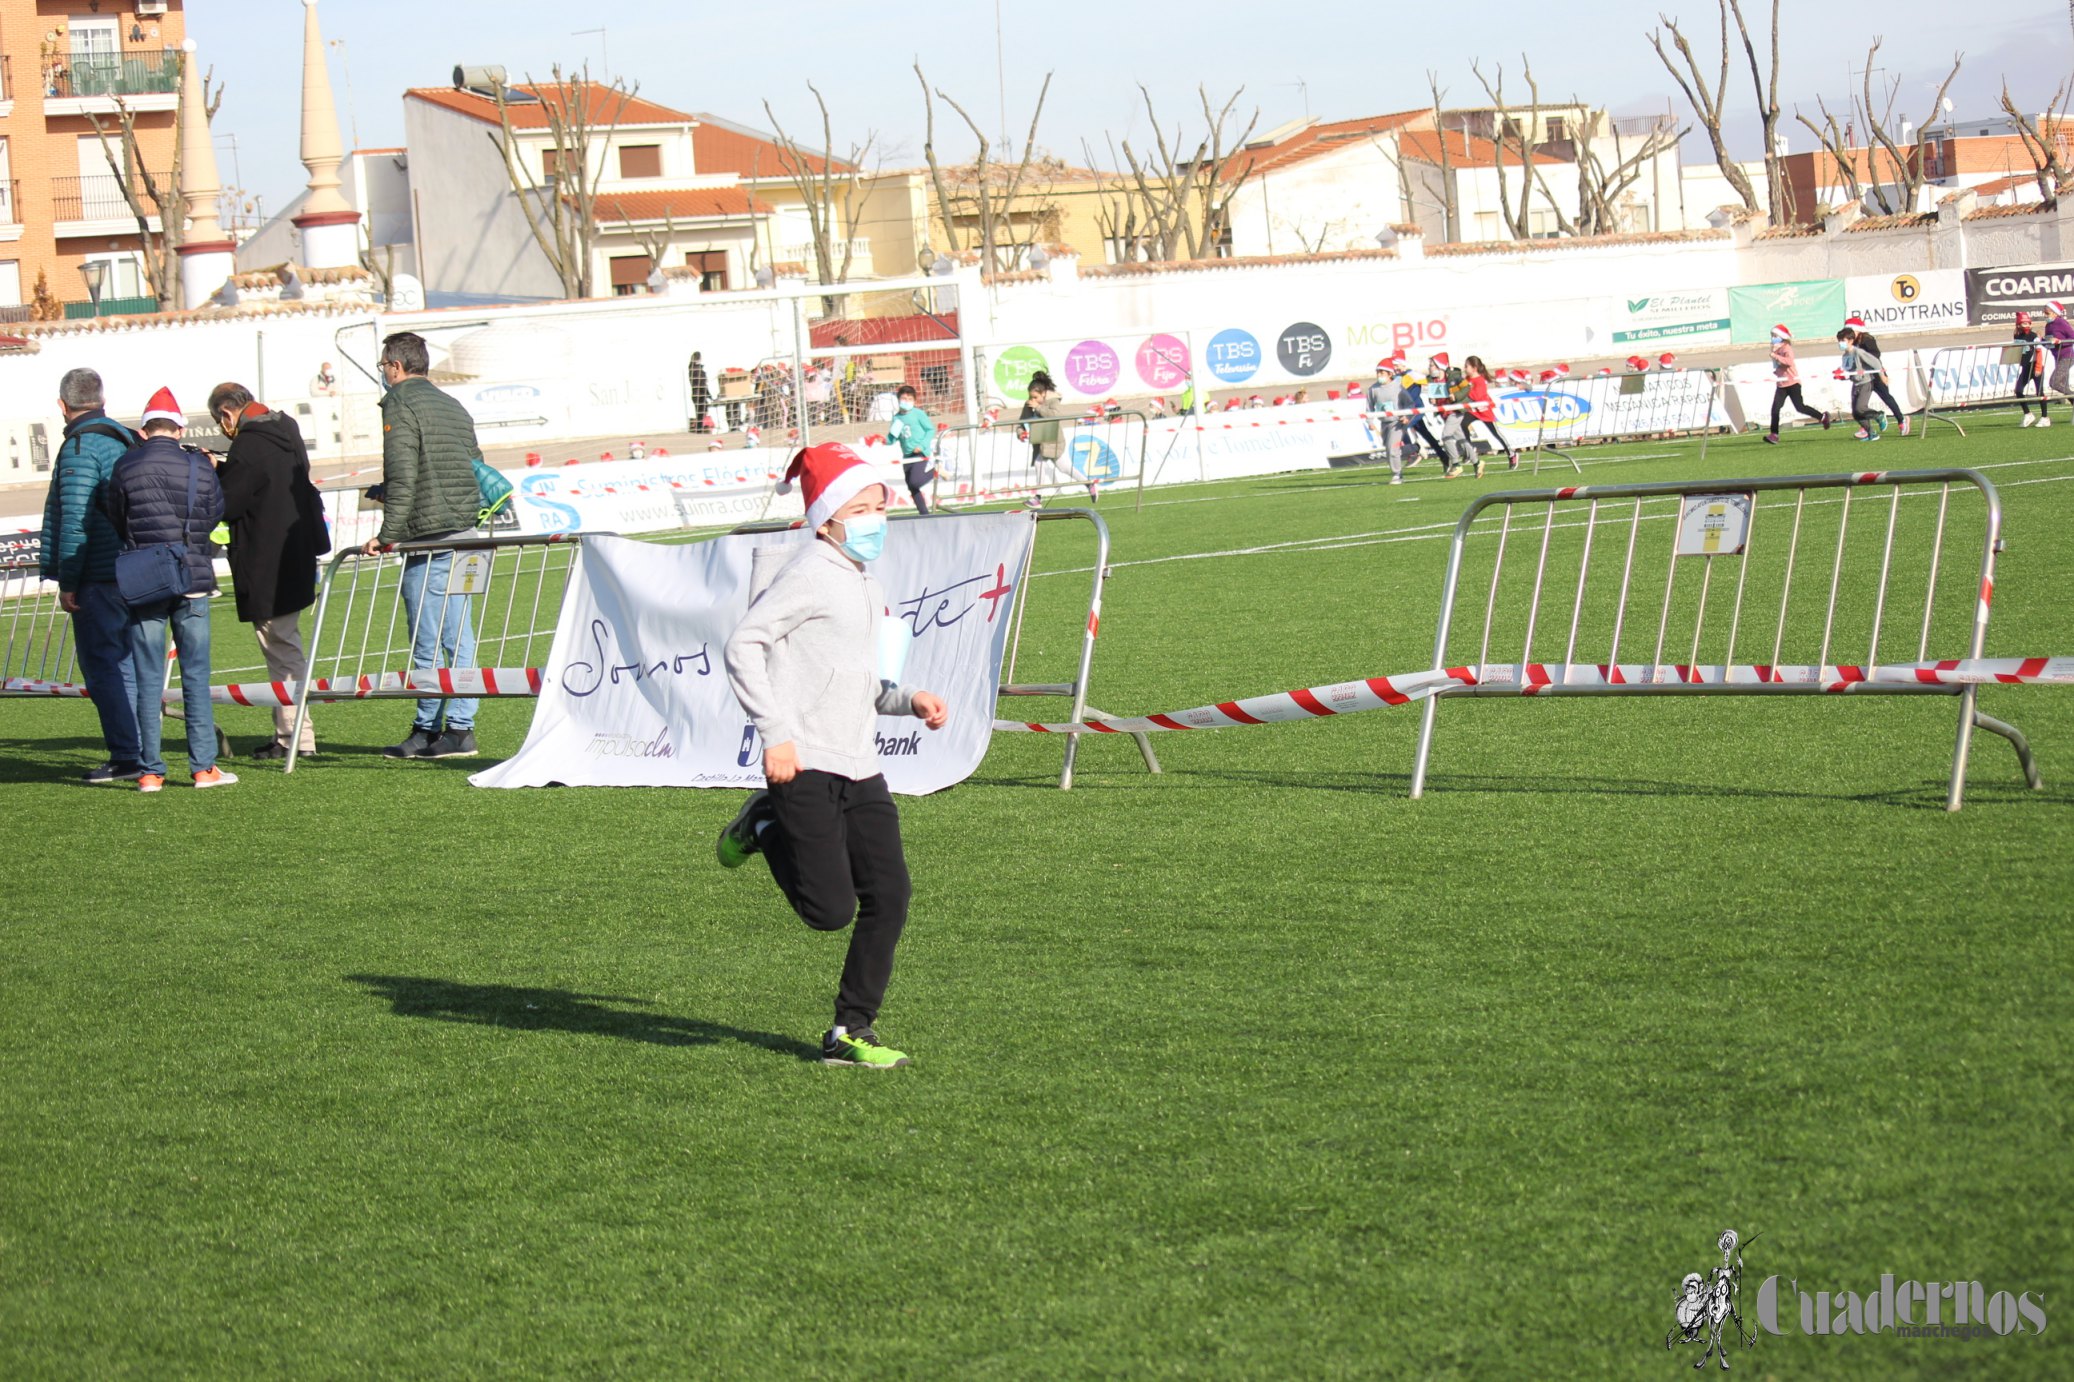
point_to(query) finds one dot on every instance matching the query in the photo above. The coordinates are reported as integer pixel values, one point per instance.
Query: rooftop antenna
(346, 67)
(1001, 80)
(604, 51)
(1305, 87)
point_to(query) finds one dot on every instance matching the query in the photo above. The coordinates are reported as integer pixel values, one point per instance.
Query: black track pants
(835, 851)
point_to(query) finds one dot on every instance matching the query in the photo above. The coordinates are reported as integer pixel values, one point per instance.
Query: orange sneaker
(215, 777)
(151, 782)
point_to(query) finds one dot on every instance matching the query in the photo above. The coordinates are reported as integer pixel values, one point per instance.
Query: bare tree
(151, 194)
(832, 196)
(1518, 137)
(2046, 140)
(1778, 193)
(1881, 168)
(1450, 223)
(1186, 199)
(1706, 98)
(561, 206)
(1600, 187)
(1117, 210)
(995, 197)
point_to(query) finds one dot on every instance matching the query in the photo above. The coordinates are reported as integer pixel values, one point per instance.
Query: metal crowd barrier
(37, 652)
(992, 461)
(1961, 379)
(488, 602)
(1604, 557)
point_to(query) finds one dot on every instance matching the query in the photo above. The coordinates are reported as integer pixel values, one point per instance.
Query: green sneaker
(861, 1048)
(738, 841)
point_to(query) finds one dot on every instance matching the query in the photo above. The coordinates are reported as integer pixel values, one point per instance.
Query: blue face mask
(864, 536)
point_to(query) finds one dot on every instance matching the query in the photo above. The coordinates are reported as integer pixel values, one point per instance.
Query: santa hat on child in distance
(1782, 332)
(830, 475)
(2056, 309)
(162, 408)
(2023, 318)
(1855, 322)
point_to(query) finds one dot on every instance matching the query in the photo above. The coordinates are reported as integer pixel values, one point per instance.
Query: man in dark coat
(276, 535)
(701, 392)
(163, 494)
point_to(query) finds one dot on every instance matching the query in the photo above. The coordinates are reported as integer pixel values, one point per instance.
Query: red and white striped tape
(1528, 679)
(472, 682)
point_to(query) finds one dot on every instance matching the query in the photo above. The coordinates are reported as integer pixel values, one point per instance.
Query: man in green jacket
(428, 492)
(78, 549)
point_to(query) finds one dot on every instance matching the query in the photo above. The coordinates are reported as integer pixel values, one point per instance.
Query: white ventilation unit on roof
(146, 8)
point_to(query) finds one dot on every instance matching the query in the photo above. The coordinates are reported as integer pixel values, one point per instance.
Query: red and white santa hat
(830, 475)
(1855, 322)
(2057, 309)
(1440, 358)
(162, 408)
(1782, 332)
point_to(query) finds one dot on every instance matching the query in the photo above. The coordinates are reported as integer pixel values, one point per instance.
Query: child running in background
(1385, 408)
(2030, 368)
(1042, 429)
(1868, 347)
(804, 663)
(1457, 450)
(1861, 371)
(2059, 334)
(1786, 383)
(1484, 409)
(915, 435)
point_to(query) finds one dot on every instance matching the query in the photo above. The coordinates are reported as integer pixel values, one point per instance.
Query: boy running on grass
(804, 663)
(912, 431)
(1786, 383)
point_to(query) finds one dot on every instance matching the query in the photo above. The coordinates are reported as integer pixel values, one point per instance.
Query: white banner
(636, 693)
(1920, 301)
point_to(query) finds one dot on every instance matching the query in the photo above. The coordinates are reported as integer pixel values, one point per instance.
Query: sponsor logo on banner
(1163, 361)
(1534, 409)
(1233, 356)
(508, 405)
(1907, 302)
(1304, 349)
(1428, 333)
(1813, 309)
(1690, 318)
(1994, 296)
(21, 549)
(1013, 368)
(1092, 367)
(635, 694)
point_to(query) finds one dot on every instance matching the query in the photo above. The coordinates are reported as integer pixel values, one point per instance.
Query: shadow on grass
(559, 1010)
(1927, 795)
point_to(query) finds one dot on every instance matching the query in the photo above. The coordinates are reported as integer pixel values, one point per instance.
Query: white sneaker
(2045, 422)
(2028, 421)
(215, 777)
(1396, 479)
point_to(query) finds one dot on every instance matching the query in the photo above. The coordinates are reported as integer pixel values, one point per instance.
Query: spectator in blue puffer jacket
(78, 552)
(149, 504)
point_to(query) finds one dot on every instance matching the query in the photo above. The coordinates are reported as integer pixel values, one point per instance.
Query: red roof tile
(1320, 138)
(715, 148)
(1464, 150)
(599, 102)
(690, 204)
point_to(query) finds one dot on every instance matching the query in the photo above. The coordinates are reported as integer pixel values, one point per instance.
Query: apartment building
(64, 64)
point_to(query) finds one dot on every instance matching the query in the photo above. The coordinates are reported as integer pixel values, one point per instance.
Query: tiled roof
(717, 147)
(1796, 230)
(1579, 242)
(1321, 138)
(1464, 150)
(159, 320)
(1251, 261)
(1907, 220)
(1987, 213)
(600, 103)
(321, 278)
(685, 204)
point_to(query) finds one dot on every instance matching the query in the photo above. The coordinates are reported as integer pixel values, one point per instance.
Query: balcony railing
(97, 198)
(11, 202)
(114, 74)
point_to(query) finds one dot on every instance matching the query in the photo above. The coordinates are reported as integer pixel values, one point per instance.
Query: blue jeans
(190, 620)
(100, 630)
(439, 626)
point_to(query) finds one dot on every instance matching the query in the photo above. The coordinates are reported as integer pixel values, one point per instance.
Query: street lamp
(95, 272)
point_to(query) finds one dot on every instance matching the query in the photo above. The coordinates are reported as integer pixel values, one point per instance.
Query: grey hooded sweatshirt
(804, 661)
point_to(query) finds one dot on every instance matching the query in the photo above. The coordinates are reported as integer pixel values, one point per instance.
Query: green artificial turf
(1252, 1069)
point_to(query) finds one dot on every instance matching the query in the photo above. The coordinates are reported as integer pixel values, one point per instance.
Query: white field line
(1428, 532)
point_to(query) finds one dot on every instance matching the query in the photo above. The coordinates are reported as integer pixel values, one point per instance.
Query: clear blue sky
(1350, 60)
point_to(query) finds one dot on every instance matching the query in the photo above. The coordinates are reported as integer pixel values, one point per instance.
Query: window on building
(712, 268)
(550, 162)
(10, 283)
(640, 160)
(1555, 131)
(630, 274)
